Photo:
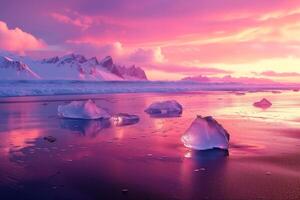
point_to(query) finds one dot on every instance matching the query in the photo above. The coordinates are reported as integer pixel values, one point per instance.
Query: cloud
(189, 70)
(229, 79)
(83, 22)
(280, 74)
(150, 55)
(233, 52)
(18, 40)
(118, 51)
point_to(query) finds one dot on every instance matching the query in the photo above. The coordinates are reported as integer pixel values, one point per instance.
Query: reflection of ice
(85, 127)
(82, 110)
(123, 119)
(165, 109)
(207, 155)
(205, 133)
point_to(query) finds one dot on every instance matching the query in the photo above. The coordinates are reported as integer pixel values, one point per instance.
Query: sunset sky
(170, 39)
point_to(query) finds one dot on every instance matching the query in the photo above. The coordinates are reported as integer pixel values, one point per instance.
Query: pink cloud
(232, 52)
(229, 79)
(189, 70)
(127, 54)
(83, 22)
(150, 55)
(18, 40)
(280, 74)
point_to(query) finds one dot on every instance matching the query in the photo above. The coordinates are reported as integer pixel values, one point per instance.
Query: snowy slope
(14, 70)
(68, 67)
(72, 67)
(128, 73)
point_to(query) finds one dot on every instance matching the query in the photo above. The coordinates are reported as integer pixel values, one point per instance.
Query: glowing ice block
(205, 133)
(171, 107)
(123, 119)
(82, 110)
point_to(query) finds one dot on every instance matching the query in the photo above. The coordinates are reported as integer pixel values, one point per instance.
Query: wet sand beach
(98, 160)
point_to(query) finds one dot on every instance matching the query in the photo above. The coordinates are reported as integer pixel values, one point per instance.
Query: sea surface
(65, 87)
(146, 160)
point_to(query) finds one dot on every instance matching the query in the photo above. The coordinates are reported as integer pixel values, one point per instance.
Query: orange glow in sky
(169, 39)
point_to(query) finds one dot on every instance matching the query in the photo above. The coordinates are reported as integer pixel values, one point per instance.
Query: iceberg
(171, 107)
(82, 110)
(123, 119)
(264, 103)
(205, 133)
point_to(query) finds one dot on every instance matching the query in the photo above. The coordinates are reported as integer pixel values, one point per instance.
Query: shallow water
(97, 160)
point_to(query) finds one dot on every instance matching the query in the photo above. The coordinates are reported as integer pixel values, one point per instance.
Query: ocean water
(39, 88)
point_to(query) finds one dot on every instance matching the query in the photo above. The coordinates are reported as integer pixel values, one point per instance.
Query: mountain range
(68, 67)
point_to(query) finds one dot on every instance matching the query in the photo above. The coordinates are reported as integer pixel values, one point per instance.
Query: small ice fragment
(205, 133)
(201, 169)
(240, 93)
(171, 107)
(276, 92)
(123, 119)
(82, 110)
(264, 103)
(50, 139)
(268, 173)
(125, 191)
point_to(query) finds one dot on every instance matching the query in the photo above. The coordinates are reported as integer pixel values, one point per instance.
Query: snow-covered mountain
(13, 70)
(68, 67)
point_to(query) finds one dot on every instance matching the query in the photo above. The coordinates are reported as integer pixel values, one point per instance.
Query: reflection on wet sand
(206, 155)
(85, 127)
(165, 115)
(203, 168)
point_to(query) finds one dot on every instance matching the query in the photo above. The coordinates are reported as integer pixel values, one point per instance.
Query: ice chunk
(205, 133)
(123, 119)
(276, 92)
(171, 107)
(264, 103)
(240, 93)
(50, 139)
(82, 110)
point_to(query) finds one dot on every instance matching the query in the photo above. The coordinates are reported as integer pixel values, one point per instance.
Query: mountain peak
(11, 69)
(50, 60)
(69, 67)
(72, 58)
(107, 62)
(6, 62)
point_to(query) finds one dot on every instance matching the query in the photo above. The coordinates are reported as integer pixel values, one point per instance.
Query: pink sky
(170, 39)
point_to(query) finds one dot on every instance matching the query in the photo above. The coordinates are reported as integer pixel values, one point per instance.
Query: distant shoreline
(54, 88)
